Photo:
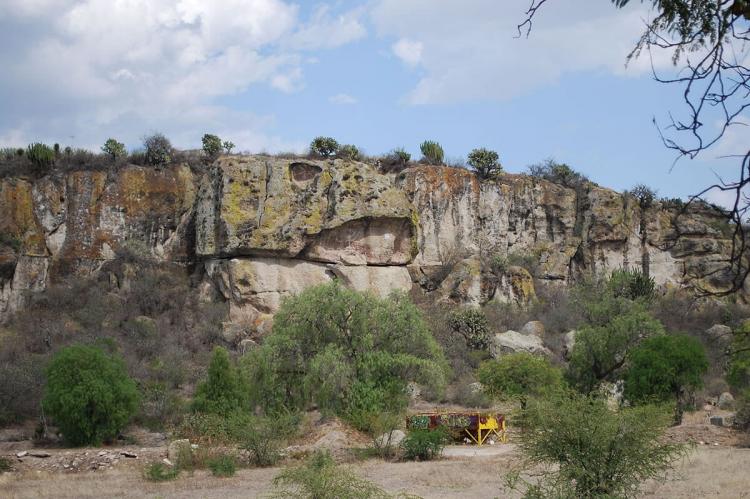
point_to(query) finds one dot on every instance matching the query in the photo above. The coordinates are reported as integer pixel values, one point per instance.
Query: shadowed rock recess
(256, 229)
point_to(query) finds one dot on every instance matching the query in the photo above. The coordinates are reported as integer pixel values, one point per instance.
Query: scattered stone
(167, 462)
(476, 387)
(129, 454)
(413, 390)
(178, 448)
(246, 345)
(569, 341)
(21, 454)
(39, 453)
(102, 453)
(513, 341)
(533, 328)
(726, 420)
(719, 333)
(726, 401)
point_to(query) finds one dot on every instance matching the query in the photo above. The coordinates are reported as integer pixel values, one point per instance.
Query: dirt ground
(717, 467)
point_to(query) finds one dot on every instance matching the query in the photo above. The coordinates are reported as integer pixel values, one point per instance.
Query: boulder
(726, 401)
(569, 341)
(719, 333)
(513, 341)
(413, 390)
(533, 328)
(726, 420)
(476, 387)
(393, 439)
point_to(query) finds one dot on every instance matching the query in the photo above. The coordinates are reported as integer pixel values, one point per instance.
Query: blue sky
(272, 74)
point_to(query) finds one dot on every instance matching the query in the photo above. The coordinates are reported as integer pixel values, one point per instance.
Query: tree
(350, 152)
(325, 147)
(228, 146)
(485, 163)
(708, 40)
(665, 369)
(432, 152)
(89, 395)
(601, 351)
(114, 149)
(519, 376)
(581, 449)
(159, 149)
(212, 145)
(558, 173)
(225, 389)
(471, 323)
(350, 353)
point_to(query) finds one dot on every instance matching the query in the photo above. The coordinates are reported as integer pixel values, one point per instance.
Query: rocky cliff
(255, 229)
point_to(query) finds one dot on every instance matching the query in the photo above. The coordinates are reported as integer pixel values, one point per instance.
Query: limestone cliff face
(256, 229)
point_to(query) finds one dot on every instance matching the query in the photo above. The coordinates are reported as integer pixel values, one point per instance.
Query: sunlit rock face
(256, 229)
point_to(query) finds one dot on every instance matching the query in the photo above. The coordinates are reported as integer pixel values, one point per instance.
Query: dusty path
(709, 472)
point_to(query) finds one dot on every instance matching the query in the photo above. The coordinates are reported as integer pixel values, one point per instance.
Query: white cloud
(470, 50)
(344, 99)
(410, 52)
(92, 67)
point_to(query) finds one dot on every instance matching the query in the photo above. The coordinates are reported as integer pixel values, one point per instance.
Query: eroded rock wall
(256, 229)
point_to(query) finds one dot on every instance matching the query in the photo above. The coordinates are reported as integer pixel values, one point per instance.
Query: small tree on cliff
(325, 147)
(114, 149)
(212, 146)
(485, 163)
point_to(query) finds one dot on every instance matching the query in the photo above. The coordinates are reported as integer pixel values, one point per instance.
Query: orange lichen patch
(450, 181)
(18, 225)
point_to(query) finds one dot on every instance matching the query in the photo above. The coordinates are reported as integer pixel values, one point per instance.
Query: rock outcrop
(255, 229)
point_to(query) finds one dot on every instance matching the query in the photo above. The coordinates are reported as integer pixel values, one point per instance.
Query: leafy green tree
(665, 369)
(471, 323)
(212, 145)
(631, 284)
(325, 147)
(432, 152)
(89, 394)
(585, 450)
(114, 149)
(519, 376)
(228, 146)
(601, 351)
(350, 152)
(485, 162)
(349, 352)
(225, 390)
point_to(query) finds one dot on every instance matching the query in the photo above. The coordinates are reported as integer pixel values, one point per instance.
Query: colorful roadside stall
(477, 426)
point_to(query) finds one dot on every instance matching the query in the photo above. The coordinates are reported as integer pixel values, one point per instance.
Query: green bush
(350, 152)
(41, 156)
(348, 352)
(400, 156)
(222, 466)
(114, 149)
(519, 376)
(5, 464)
(212, 145)
(225, 390)
(600, 352)
(424, 445)
(228, 146)
(559, 173)
(485, 163)
(89, 395)
(738, 376)
(432, 152)
(262, 438)
(666, 369)
(159, 150)
(471, 323)
(632, 284)
(325, 147)
(160, 472)
(579, 448)
(320, 478)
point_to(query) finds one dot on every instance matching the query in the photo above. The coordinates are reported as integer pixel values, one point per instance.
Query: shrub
(665, 369)
(584, 450)
(432, 152)
(159, 150)
(349, 151)
(401, 156)
(212, 145)
(89, 394)
(261, 438)
(228, 146)
(471, 323)
(644, 195)
(739, 367)
(5, 464)
(320, 478)
(41, 156)
(382, 427)
(519, 376)
(114, 149)
(742, 415)
(222, 466)
(225, 389)
(325, 147)
(631, 284)
(485, 163)
(424, 445)
(346, 351)
(558, 173)
(159, 472)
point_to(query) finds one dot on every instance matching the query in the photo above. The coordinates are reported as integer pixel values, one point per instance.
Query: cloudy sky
(272, 74)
